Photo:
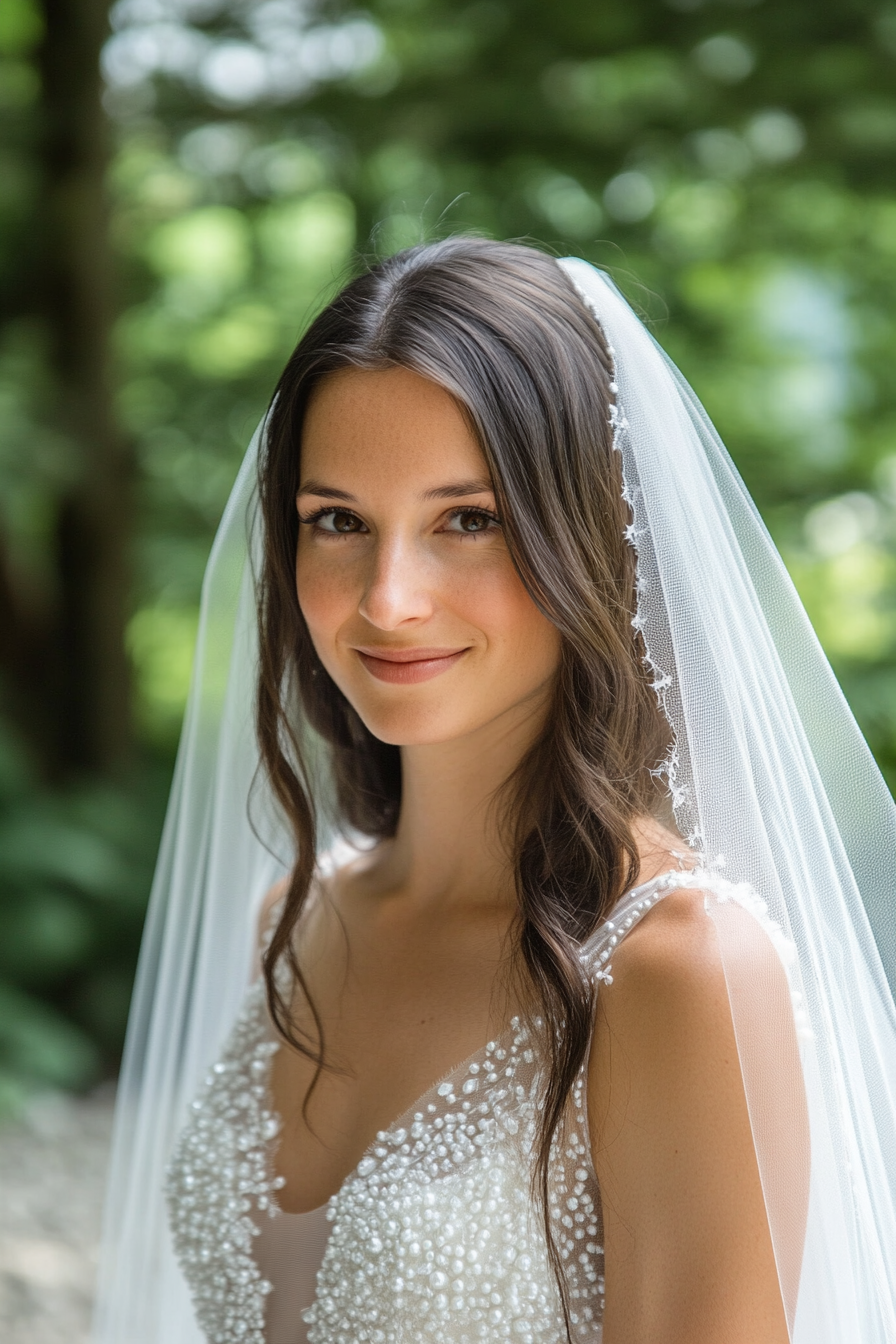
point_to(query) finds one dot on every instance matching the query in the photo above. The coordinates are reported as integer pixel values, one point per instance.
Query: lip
(406, 666)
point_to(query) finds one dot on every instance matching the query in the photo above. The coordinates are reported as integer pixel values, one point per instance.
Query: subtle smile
(408, 665)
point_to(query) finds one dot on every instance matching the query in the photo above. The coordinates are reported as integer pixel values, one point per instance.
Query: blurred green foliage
(729, 161)
(74, 871)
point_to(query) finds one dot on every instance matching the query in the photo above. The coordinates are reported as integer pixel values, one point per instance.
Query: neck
(448, 845)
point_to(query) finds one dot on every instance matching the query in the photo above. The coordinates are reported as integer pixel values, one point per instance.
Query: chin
(412, 727)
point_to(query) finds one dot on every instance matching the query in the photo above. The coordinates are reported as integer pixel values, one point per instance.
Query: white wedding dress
(434, 1238)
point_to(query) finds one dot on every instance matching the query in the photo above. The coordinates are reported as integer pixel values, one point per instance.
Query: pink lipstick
(405, 666)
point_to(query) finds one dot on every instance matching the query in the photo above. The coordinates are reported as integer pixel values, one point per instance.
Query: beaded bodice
(435, 1236)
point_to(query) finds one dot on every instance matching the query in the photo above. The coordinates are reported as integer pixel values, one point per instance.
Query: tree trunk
(88, 682)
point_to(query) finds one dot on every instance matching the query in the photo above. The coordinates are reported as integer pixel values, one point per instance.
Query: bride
(554, 781)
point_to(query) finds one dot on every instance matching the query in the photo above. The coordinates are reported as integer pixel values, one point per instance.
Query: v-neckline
(382, 1135)
(586, 948)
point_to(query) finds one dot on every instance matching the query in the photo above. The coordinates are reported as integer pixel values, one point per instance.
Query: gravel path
(52, 1168)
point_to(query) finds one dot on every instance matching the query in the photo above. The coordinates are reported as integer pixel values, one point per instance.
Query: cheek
(499, 605)
(326, 595)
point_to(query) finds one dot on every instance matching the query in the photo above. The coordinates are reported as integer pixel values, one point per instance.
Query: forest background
(183, 183)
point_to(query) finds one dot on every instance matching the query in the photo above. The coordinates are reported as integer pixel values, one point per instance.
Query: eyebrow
(458, 489)
(455, 490)
(326, 492)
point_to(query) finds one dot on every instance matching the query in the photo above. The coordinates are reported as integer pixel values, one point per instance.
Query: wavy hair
(501, 328)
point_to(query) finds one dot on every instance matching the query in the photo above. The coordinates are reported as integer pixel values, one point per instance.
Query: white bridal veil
(770, 779)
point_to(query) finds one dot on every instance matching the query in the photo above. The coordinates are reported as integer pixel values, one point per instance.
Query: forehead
(386, 424)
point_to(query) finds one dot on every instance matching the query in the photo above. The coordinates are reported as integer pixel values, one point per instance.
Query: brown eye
(340, 521)
(470, 521)
(474, 522)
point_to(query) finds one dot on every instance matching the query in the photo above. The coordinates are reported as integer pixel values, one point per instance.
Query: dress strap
(597, 950)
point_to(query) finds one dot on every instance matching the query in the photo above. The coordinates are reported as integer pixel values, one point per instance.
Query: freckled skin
(414, 576)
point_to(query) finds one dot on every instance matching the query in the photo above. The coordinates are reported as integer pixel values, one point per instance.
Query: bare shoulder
(670, 996)
(665, 1003)
(664, 1013)
(672, 950)
(687, 943)
(670, 1133)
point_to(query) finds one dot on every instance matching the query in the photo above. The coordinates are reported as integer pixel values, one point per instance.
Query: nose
(396, 591)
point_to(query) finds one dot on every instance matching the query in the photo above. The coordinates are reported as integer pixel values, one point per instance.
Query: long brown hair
(501, 328)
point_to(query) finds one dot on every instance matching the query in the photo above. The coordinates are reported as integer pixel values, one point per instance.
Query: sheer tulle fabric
(770, 780)
(198, 945)
(771, 777)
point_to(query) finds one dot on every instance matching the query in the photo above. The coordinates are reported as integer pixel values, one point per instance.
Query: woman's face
(402, 571)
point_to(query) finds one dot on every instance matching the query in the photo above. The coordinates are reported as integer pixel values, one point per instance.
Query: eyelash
(311, 519)
(476, 513)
